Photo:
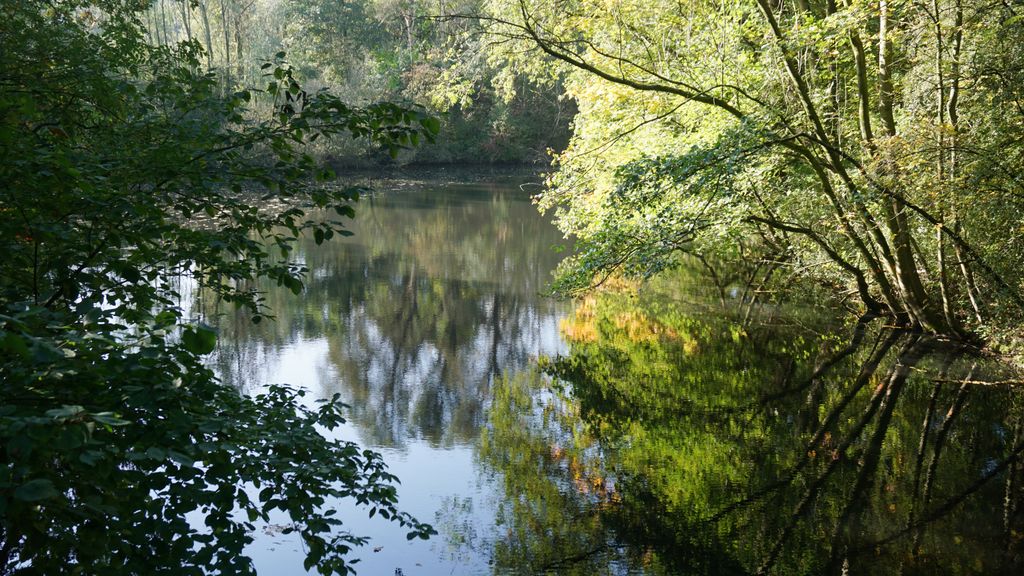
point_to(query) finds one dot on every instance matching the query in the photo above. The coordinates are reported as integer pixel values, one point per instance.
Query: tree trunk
(206, 32)
(238, 49)
(163, 21)
(227, 44)
(186, 17)
(884, 74)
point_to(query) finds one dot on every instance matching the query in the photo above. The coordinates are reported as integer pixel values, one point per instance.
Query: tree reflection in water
(436, 293)
(677, 442)
(668, 439)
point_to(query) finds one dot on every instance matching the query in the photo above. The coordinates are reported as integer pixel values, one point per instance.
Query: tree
(404, 50)
(879, 138)
(123, 170)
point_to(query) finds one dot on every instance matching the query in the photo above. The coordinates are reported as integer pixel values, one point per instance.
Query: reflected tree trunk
(849, 524)
(885, 394)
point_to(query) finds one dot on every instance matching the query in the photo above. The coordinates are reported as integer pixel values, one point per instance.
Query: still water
(412, 320)
(650, 431)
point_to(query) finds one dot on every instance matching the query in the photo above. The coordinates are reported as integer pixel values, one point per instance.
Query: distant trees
(225, 29)
(877, 144)
(378, 50)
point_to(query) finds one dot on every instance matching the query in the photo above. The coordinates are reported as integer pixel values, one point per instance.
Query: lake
(652, 430)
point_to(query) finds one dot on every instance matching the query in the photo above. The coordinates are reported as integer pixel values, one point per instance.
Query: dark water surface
(658, 434)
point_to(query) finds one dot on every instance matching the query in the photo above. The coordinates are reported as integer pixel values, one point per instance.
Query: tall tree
(830, 131)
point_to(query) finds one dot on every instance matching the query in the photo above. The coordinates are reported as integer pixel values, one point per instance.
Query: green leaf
(35, 490)
(199, 339)
(64, 412)
(180, 458)
(166, 318)
(91, 457)
(109, 419)
(432, 124)
(13, 343)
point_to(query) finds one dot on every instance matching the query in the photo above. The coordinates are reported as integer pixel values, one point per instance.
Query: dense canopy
(873, 144)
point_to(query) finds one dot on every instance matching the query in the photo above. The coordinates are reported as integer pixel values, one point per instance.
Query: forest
(381, 50)
(863, 157)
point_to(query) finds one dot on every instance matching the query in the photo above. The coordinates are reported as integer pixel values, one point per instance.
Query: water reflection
(682, 444)
(436, 294)
(669, 437)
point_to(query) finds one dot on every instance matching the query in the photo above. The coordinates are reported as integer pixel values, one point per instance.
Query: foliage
(371, 50)
(124, 169)
(871, 145)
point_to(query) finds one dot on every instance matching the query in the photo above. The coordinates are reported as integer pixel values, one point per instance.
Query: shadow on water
(678, 442)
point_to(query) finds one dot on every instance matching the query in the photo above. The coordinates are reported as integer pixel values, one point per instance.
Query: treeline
(406, 51)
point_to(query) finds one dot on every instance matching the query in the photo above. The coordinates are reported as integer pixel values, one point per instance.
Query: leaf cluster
(126, 174)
